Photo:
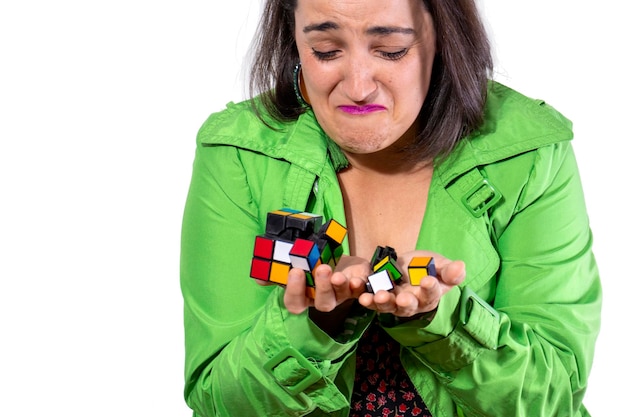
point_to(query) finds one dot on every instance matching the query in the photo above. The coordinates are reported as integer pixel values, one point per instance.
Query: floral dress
(382, 386)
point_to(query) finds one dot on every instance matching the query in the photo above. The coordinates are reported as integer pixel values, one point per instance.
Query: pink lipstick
(366, 109)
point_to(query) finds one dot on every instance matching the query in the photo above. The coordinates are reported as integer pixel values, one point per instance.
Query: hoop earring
(297, 85)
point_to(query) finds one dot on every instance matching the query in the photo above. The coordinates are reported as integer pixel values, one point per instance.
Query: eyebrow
(320, 27)
(376, 30)
(388, 30)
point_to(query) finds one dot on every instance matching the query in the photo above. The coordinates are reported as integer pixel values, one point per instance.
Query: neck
(387, 162)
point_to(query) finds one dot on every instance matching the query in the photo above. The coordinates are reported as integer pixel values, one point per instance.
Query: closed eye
(393, 56)
(325, 56)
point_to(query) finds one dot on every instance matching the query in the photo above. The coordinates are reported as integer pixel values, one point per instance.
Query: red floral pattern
(382, 386)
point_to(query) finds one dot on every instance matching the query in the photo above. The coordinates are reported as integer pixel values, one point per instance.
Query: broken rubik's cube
(296, 239)
(386, 273)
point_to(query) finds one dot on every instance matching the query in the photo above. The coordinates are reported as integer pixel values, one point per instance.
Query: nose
(359, 81)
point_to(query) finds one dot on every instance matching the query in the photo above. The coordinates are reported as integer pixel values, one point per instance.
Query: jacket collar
(513, 124)
(302, 143)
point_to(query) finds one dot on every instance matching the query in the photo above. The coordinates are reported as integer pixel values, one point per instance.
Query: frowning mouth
(368, 108)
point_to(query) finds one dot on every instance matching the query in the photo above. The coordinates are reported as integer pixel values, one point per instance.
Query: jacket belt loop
(294, 387)
(480, 196)
(479, 319)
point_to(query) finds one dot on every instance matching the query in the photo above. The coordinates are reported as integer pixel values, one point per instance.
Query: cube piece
(381, 253)
(379, 281)
(310, 284)
(310, 292)
(337, 253)
(281, 251)
(419, 267)
(276, 222)
(304, 254)
(333, 232)
(260, 269)
(310, 281)
(279, 272)
(326, 253)
(329, 253)
(263, 247)
(302, 225)
(389, 264)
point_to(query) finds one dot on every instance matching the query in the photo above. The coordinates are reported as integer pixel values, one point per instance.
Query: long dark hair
(454, 104)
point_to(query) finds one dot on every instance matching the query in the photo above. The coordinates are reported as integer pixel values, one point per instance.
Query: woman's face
(366, 67)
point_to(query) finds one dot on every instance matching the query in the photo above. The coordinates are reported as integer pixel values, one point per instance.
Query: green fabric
(531, 301)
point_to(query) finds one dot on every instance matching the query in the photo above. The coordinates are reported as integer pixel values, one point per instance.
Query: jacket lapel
(452, 228)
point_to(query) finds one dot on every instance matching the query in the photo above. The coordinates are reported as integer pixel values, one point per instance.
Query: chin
(363, 142)
(360, 148)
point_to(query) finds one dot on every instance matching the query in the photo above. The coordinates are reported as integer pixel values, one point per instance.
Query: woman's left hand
(332, 288)
(407, 300)
(335, 292)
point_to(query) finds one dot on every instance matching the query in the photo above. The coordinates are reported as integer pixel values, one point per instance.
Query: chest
(388, 212)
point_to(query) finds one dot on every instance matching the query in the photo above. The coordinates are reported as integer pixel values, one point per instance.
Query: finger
(453, 273)
(385, 301)
(295, 298)
(341, 287)
(366, 299)
(325, 299)
(406, 304)
(357, 287)
(430, 292)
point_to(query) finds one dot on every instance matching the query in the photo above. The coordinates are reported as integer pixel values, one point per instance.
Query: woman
(381, 115)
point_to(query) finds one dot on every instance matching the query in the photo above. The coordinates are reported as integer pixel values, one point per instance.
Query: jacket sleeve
(245, 354)
(523, 344)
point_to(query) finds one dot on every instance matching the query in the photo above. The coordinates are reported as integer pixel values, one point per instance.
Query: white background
(99, 106)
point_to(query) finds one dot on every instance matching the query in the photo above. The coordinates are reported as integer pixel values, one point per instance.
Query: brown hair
(456, 98)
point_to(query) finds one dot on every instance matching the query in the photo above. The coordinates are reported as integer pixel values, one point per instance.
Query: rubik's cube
(296, 239)
(385, 270)
(419, 267)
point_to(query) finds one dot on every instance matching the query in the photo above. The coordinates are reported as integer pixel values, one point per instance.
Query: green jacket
(516, 339)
